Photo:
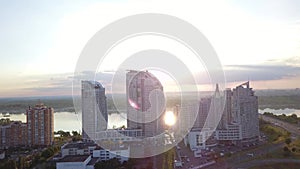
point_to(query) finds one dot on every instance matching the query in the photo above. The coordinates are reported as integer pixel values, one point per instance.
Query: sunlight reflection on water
(69, 121)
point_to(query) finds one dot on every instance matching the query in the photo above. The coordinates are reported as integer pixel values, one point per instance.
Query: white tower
(94, 109)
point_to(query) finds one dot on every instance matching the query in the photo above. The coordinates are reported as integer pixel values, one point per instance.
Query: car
(250, 154)
(188, 160)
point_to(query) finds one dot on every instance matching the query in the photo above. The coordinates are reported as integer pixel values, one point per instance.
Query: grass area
(278, 166)
(274, 134)
(290, 151)
(294, 147)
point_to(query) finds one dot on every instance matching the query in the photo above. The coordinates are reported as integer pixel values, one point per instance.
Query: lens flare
(169, 118)
(133, 104)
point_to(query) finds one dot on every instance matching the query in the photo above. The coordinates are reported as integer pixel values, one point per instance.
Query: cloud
(260, 72)
(290, 61)
(62, 84)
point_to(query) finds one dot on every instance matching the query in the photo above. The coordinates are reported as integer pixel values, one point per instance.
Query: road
(266, 161)
(293, 129)
(244, 159)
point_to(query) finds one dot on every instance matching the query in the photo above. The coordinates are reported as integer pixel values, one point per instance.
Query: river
(69, 121)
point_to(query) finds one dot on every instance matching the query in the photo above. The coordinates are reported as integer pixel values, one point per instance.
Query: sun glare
(169, 118)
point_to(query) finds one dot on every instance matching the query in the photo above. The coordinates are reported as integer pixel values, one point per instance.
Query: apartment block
(40, 125)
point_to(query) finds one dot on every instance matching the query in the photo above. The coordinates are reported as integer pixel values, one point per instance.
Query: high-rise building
(145, 102)
(40, 125)
(94, 109)
(245, 110)
(208, 116)
(204, 105)
(187, 117)
(239, 122)
(227, 113)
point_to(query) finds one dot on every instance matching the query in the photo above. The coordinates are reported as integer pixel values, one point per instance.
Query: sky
(41, 41)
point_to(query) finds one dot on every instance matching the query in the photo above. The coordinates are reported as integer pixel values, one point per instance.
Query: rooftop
(113, 147)
(79, 145)
(93, 83)
(99, 148)
(76, 158)
(93, 161)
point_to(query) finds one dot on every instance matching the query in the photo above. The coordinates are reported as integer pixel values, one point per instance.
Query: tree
(109, 164)
(21, 162)
(286, 151)
(130, 163)
(63, 133)
(4, 121)
(11, 164)
(288, 141)
(294, 116)
(75, 133)
(47, 153)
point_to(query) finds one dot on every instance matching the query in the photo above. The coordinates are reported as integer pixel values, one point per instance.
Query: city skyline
(150, 84)
(254, 41)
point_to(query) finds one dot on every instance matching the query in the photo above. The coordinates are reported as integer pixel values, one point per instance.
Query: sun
(169, 118)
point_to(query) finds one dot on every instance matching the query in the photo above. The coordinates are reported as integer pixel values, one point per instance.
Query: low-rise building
(74, 162)
(13, 134)
(91, 164)
(119, 135)
(119, 152)
(78, 148)
(201, 139)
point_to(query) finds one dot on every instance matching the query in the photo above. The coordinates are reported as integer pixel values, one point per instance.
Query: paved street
(246, 158)
(242, 157)
(187, 157)
(293, 129)
(266, 161)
